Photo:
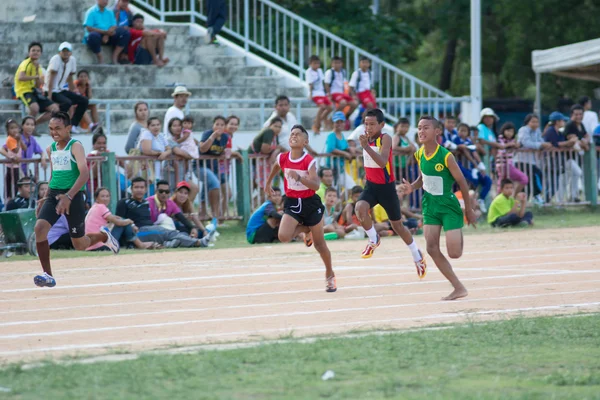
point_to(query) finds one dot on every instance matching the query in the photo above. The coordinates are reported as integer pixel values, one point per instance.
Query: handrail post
(247, 25)
(107, 118)
(590, 177)
(162, 11)
(244, 191)
(109, 178)
(413, 109)
(300, 48)
(192, 11)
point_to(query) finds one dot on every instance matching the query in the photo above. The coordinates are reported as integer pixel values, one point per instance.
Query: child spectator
(348, 216)
(337, 146)
(505, 167)
(447, 138)
(23, 197)
(409, 219)
(335, 87)
(314, 78)
(403, 148)
(83, 87)
(32, 147)
(186, 138)
(476, 173)
(505, 211)
(329, 215)
(123, 14)
(354, 166)
(326, 178)
(263, 225)
(361, 84)
(13, 149)
(267, 143)
(146, 46)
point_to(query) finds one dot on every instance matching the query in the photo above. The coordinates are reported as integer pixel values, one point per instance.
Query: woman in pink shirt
(99, 215)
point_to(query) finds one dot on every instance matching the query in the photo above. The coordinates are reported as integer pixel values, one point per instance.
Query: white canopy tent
(578, 61)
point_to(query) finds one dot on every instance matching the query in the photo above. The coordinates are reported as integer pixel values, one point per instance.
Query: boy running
(302, 209)
(69, 175)
(381, 188)
(438, 172)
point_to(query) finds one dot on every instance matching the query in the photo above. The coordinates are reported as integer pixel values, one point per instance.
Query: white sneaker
(538, 200)
(208, 37)
(75, 130)
(111, 242)
(482, 205)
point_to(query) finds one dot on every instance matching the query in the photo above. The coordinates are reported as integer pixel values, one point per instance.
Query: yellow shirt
(26, 87)
(379, 214)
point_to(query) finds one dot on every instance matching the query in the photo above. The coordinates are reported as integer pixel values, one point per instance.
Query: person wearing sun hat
(180, 98)
(487, 126)
(182, 198)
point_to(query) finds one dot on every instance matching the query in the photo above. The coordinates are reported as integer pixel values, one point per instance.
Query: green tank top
(64, 167)
(437, 179)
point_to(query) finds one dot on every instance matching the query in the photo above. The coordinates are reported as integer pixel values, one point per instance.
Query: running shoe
(205, 241)
(111, 242)
(370, 249)
(331, 284)
(308, 239)
(421, 266)
(44, 280)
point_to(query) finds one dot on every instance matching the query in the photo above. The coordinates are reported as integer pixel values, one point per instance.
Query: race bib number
(433, 184)
(295, 184)
(61, 160)
(368, 161)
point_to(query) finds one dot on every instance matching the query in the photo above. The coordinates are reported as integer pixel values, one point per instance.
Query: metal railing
(287, 39)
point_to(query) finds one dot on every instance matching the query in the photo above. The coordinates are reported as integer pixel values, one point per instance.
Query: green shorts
(447, 214)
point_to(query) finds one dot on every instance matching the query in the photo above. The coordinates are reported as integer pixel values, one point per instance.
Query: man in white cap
(60, 86)
(180, 98)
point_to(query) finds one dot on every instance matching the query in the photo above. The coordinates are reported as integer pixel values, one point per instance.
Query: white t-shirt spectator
(172, 112)
(315, 78)
(590, 121)
(286, 128)
(159, 143)
(336, 80)
(63, 70)
(365, 81)
(361, 129)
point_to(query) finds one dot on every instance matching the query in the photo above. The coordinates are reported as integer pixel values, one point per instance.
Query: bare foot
(159, 63)
(456, 294)
(166, 60)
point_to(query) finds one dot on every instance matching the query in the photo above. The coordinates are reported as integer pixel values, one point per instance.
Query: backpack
(360, 75)
(333, 76)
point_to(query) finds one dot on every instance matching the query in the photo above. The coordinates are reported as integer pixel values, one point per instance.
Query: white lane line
(258, 274)
(279, 315)
(238, 306)
(364, 323)
(209, 263)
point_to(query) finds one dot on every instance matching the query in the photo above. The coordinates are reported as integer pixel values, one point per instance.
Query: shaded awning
(578, 60)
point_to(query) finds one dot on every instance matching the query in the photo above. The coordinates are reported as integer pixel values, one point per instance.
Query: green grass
(537, 358)
(233, 233)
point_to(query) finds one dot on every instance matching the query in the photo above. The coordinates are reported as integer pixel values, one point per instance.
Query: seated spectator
(330, 216)
(183, 200)
(335, 87)
(153, 144)
(101, 29)
(29, 81)
(348, 218)
(141, 112)
(100, 216)
(326, 177)
(263, 225)
(267, 143)
(146, 46)
(83, 87)
(137, 208)
(123, 14)
(475, 173)
(61, 69)
(362, 84)
(12, 149)
(214, 143)
(505, 211)
(32, 147)
(530, 137)
(383, 225)
(42, 189)
(287, 120)
(314, 79)
(403, 147)
(337, 146)
(505, 168)
(23, 197)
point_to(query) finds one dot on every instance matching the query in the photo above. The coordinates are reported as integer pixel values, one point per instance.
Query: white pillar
(538, 94)
(475, 61)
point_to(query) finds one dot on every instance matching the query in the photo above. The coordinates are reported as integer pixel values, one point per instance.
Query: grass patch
(521, 358)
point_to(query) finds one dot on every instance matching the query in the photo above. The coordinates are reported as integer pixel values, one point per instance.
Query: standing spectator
(404, 149)
(99, 145)
(314, 78)
(13, 149)
(101, 29)
(337, 146)
(216, 17)
(232, 125)
(553, 134)
(141, 112)
(183, 200)
(530, 137)
(505, 168)
(505, 211)
(263, 225)
(32, 147)
(590, 118)
(29, 79)
(326, 178)
(23, 197)
(61, 70)
(83, 87)
(153, 144)
(449, 132)
(146, 46)
(282, 111)
(576, 132)
(267, 143)
(213, 143)
(361, 84)
(180, 98)
(185, 149)
(487, 129)
(335, 86)
(123, 14)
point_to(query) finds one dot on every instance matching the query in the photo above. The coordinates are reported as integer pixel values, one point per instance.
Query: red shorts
(338, 97)
(322, 100)
(367, 97)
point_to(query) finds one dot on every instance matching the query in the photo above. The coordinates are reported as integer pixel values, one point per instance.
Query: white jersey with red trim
(301, 166)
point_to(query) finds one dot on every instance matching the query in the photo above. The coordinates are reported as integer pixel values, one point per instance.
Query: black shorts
(308, 211)
(384, 194)
(266, 234)
(142, 56)
(75, 217)
(35, 97)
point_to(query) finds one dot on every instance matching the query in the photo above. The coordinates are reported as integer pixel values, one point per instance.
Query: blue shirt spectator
(102, 19)
(123, 14)
(337, 141)
(259, 230)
